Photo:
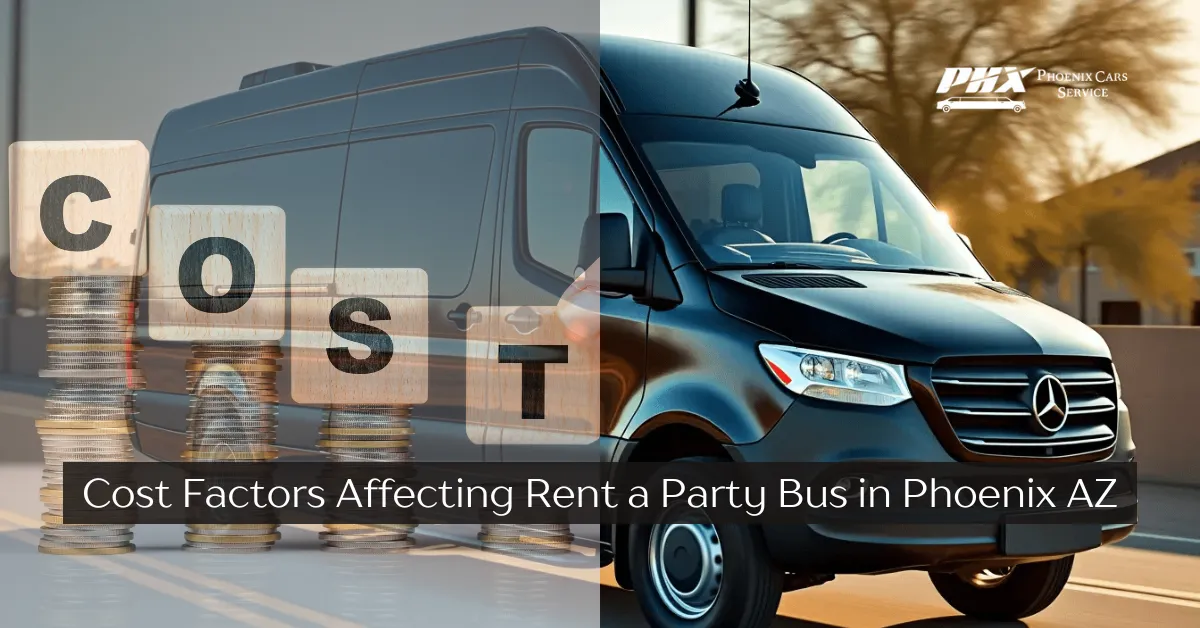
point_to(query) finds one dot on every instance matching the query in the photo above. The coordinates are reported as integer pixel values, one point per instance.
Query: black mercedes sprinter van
(774, 288)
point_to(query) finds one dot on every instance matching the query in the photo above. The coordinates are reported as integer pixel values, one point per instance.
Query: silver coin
(341, 539)
(110, 541)
(99, 529)
(358, 455)
(107, 457)
(84, 536)
(224, 549)
(371, 544)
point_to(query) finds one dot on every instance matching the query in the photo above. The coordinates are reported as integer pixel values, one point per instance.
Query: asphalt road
(1153, 579)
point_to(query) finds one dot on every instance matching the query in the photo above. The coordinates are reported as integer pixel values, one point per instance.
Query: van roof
(649, 77)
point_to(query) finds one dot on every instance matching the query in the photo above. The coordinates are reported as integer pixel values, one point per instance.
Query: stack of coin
(529, 539)
(367, 434)
(89, 413)
(234, 403)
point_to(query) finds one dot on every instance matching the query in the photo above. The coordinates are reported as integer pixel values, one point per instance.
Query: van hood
(905, 318)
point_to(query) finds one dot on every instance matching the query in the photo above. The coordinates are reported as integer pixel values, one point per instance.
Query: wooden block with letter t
(217, 272)
(76, 208)
(541, 383)
(360, 336)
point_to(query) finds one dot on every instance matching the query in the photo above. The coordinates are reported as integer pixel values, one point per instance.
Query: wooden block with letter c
(76, 208)
(360, 336)
(217, 272)
(541, 382)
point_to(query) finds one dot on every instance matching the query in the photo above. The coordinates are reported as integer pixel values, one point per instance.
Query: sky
(110, 70)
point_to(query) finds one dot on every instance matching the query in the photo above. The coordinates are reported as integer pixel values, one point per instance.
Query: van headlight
(1117, 381)
(836, 377)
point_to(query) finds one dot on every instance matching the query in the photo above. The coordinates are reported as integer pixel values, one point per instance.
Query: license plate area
(1034, 535)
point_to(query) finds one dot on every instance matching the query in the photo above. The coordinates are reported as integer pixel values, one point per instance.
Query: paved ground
(1151, 580)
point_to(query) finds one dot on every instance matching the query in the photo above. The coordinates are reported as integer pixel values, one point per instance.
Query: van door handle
(463, 316)
(524, 319)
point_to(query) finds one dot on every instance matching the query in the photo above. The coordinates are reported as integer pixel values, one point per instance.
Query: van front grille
(991, 408)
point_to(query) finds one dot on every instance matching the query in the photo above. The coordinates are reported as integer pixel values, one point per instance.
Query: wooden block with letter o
(541, 382)
(217, 272)
(360, 336)
(75, 208)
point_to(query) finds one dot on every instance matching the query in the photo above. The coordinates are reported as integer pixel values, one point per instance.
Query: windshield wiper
(918, 270)
(761, 265)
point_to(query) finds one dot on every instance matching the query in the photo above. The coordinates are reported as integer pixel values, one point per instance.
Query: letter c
(87, 487)
(54, 223)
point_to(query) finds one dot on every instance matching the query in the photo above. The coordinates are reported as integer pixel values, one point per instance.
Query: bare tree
(884, 59)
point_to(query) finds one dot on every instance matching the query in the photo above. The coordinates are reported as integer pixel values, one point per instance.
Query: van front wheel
(688, 571)
(1006, 594)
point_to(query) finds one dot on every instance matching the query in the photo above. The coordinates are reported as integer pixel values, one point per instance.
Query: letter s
(378, 341)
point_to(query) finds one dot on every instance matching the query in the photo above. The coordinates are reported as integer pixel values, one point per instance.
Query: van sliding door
(424, 196)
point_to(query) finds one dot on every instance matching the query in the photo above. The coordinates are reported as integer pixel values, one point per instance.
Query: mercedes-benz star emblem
(1050, 405)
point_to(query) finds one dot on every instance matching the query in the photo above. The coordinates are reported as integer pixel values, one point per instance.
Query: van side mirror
(966, 241)
(607, 236)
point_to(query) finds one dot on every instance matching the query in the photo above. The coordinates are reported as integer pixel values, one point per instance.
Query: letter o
(191, 267)
(116, 496)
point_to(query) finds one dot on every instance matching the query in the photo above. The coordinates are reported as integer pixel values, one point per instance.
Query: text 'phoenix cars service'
(774, 288)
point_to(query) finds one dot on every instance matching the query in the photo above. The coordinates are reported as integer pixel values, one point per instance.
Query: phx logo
(983, 81)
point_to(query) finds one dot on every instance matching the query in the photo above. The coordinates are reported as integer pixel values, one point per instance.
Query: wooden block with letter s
(360, 336)
(76, 208)
(217, 272)
(541, 382)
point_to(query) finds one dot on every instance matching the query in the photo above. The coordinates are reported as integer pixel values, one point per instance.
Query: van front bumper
(820, 431)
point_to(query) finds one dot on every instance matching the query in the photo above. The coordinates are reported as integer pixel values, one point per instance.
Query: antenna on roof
(747, 92)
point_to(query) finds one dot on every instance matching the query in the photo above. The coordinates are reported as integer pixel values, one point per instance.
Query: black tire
(749, 586)
(1028, 590)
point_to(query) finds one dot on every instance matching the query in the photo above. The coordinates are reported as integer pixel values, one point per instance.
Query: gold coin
(240, 368)
(346, 527)
(231, 538)
(133, 346)
(361, 444)
(87, 551)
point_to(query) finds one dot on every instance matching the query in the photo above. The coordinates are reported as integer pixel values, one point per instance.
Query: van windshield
(753, 195)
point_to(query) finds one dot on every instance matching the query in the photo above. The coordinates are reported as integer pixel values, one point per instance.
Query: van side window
(416, 202)
(307, 185)
(559, 165)
(567, 176)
